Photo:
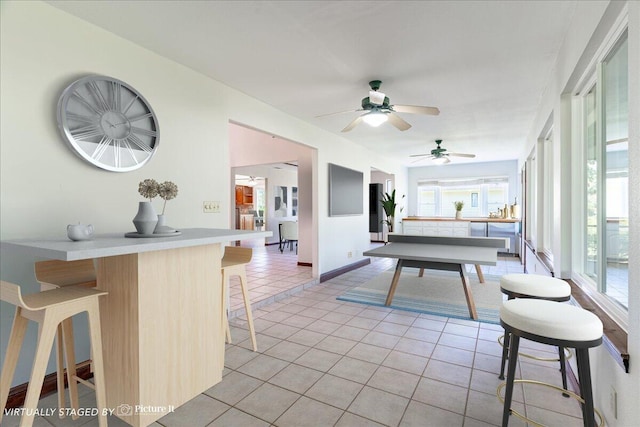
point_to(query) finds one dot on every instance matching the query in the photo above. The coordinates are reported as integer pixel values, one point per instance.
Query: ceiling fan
(439, 155)
(378, 110)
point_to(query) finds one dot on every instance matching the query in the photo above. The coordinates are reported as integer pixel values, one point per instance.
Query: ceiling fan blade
(398, 122)
(471, 156)
(339, 112)
(355, 122)
(419, 160)
(416, 109)
(420, 155)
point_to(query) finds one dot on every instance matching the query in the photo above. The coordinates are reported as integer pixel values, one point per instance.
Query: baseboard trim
(345, 269)
(18, 394)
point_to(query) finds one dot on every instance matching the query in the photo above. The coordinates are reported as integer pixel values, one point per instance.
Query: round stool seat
(535, 286)
(551, 320)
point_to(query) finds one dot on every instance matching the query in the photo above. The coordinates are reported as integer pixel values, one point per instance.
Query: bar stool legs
(233, 264)
(511, 372)
(584, 377)
(54, 274)
(49, 309)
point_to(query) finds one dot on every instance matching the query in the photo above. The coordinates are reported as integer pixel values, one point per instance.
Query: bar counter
(162, 321)
(470, 219)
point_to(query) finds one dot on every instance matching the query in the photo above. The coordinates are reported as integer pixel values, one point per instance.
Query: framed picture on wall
(294, 201)
(280, 201)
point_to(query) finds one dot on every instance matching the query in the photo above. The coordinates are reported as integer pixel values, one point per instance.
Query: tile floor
(271, 275)
(323, 362)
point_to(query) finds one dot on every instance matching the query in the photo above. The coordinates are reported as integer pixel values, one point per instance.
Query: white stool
(557, 324)
(537, 287)
(49, 309)
(233, 264)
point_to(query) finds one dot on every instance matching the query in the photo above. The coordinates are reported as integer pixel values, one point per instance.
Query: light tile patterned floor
(271, 275)
(323, 362)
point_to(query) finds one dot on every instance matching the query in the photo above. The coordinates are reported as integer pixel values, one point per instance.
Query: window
(546, 198)
(480, 196)
(604, 238)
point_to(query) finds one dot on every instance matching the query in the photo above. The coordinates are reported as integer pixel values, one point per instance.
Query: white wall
(591, 22)
(44, 186)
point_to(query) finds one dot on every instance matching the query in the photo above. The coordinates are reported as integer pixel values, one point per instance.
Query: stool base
(564, 392)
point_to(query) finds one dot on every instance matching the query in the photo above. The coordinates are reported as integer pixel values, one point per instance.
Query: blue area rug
(436, 293)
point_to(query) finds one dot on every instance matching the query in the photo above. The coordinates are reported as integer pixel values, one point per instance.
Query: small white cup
(77, 232)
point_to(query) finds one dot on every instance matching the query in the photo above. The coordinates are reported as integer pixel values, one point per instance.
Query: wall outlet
(613, 402)
(211, 207)
(349, 254)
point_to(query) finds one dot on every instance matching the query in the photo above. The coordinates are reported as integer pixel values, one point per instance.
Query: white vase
(458, 214)
(146, 218)
(161, 227)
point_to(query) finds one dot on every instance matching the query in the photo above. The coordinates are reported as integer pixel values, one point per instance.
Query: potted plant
(459, 204)
(389, 206)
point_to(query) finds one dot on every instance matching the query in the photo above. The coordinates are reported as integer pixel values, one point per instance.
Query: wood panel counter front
(162, 322)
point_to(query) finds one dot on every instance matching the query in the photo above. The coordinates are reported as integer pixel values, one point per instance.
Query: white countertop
(104, 245)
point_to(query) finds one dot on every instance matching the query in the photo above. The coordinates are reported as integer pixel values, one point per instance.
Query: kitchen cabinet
(480, 227)
(247, 222)
(244, 195)
(436, 228)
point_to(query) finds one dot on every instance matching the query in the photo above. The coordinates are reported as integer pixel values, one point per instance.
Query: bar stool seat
(538, 287)
(535, 286)
(234, 261)
(49, 309)
(561, 325)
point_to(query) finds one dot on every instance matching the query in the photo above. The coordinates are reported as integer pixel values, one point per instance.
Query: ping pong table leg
(480, 275)
(467, 293)
(394, 283)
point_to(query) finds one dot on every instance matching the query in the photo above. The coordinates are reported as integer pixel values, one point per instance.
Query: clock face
(108, 123)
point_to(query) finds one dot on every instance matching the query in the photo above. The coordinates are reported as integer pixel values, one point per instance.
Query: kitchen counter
(162, 320)
(105, 245)
(470, 219)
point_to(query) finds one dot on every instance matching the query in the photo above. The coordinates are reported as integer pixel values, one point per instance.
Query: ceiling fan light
(440, 160)
(252, 181)
(374, 118)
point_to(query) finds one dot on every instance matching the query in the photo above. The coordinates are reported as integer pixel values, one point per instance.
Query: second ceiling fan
(378, 110)
(440, 155)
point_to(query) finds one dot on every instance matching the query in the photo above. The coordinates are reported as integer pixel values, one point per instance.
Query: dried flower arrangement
(167, 191)
(149, 188)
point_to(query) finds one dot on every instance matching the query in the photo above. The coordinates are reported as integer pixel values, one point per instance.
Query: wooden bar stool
(233, 264)
(55, 274)
(49, 309)
(537, 287)
(557, 324)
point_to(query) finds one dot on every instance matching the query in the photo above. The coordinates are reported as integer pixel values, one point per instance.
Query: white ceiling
(484, 64)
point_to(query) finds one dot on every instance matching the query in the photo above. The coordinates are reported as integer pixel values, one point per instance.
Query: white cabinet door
(412, 227)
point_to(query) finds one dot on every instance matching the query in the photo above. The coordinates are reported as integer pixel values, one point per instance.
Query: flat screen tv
(346, 189)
